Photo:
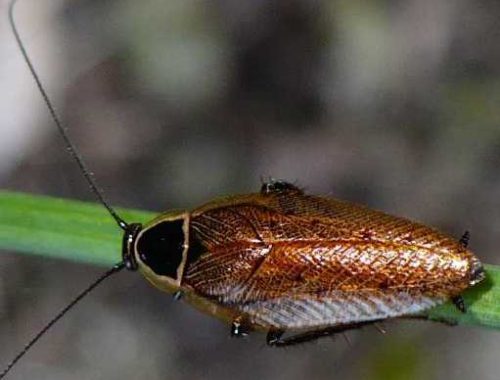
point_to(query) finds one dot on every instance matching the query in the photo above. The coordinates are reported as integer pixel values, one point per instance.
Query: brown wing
(291, 260)
(355, 217)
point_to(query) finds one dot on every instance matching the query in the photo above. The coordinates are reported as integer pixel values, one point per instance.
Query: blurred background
(395, 104)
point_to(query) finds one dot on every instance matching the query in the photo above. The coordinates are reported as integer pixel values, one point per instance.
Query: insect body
(281, 260)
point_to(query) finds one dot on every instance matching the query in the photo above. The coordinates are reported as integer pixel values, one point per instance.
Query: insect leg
(277, 186)
(239, 329)
(177, 295)
(459, 302)
(274, 337)
(464, 240)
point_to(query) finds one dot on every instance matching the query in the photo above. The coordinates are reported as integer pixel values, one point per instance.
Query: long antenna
(70, 147)
(118, 267)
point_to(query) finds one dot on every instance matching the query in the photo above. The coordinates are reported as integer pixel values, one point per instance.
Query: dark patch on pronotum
(161, 246)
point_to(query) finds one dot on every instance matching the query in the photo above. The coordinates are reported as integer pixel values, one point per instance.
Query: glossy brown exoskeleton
(281, 260)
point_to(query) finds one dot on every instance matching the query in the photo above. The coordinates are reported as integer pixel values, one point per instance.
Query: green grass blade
(84, 232)
(60, 228)
(482, 301)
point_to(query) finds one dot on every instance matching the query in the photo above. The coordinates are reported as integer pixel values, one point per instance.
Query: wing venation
(293, 259)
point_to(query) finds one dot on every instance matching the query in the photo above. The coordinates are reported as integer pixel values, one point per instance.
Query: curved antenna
(70, 147)
(116, 268)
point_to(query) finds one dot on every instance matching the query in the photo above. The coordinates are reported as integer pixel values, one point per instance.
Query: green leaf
(84, 232)
(70, 230)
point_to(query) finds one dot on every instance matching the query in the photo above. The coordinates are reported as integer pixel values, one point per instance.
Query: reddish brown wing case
(293, 261)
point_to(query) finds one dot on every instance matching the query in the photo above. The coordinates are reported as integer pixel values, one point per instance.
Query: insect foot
(238, 329)
(273, 338)
(459, 302)
(278, 186)
(464, 240)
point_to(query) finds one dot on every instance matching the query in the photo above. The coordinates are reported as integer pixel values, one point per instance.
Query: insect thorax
(160, 248)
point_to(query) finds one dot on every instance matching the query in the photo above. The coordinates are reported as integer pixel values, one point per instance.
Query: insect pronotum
(280, 260)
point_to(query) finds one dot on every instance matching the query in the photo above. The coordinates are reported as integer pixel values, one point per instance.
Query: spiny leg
(464, 240)
(275, 336)
(458, 301)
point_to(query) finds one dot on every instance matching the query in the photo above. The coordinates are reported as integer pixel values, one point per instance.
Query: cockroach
(280, 260)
